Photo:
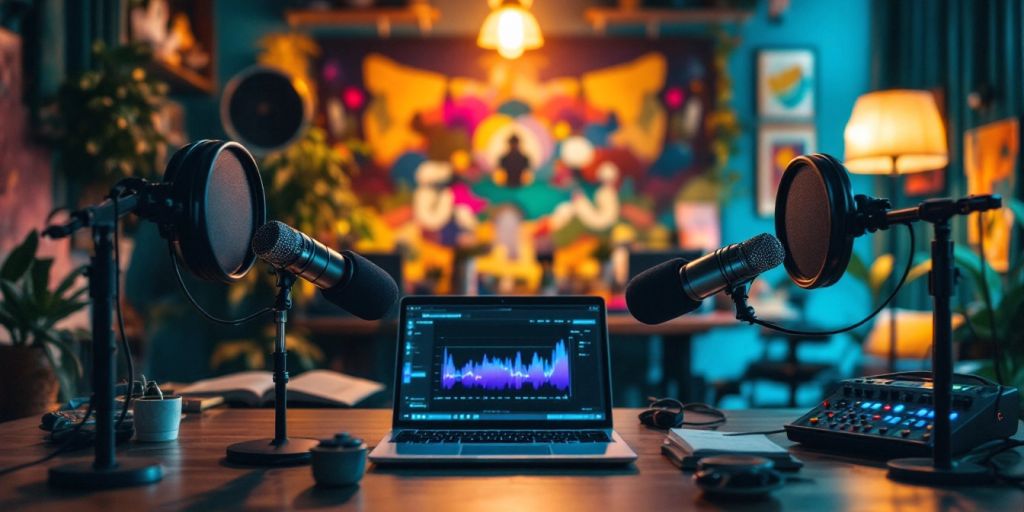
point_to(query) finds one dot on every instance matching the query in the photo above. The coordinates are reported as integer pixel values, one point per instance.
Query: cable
(192, 300)
(754, 433)
(68, 442)
(910, 263)
(120, 314)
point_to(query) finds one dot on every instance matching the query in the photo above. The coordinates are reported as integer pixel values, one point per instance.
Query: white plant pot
(157, 420)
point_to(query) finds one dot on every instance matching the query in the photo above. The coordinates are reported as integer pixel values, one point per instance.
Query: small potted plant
(40, 359)
(156, 416)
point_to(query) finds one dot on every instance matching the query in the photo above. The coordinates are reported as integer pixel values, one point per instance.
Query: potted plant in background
(40, 359)
(156, 416)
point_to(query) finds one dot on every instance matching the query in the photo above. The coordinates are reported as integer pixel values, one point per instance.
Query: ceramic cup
(339, 461)
(157, 420)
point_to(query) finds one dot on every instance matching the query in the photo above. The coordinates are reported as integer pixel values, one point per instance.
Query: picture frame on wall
(786, 84)
(777, 145)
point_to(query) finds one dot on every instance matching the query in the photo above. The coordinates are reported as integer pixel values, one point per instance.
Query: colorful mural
(514, 161)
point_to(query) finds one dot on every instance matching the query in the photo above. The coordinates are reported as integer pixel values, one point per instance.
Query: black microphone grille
(275, 241)
(763, 252)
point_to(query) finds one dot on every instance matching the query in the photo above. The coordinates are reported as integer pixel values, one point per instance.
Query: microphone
(677, 286)
(346, 279)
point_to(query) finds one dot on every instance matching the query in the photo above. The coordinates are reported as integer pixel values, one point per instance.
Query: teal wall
(839, 31)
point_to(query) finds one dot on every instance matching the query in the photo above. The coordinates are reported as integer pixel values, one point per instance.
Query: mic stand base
(279, 451)
(125, 473)
(922, 470)
(265, 452)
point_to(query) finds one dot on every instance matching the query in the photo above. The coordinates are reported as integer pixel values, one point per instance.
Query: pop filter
(815, 219)
(217, 200)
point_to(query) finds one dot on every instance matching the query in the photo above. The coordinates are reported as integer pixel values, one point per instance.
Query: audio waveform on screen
(495, 373)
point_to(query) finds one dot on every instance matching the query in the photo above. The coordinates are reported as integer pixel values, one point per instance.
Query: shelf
(601, 17)
(421, 15)
(181, 79)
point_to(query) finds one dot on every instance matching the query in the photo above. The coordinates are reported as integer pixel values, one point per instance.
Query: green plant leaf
(20, 259)
(880, 271)
(68, 281)
(969, 260)
(857, 269)
(40, 293)
(1017, 207)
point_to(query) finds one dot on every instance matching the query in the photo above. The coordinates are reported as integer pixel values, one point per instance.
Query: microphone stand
(281, 450)
(105, 471)
(872, 215)
(941, 469)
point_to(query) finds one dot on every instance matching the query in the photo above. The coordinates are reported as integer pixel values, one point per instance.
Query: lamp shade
(511, 29)
(897, 131)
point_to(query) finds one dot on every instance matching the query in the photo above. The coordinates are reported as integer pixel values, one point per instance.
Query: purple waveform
(496, 373)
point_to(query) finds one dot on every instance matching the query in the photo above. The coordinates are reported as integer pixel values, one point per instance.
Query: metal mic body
(290, 249)
(716, 271)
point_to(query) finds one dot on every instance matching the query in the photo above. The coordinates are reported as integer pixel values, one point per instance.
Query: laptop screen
(502, 361)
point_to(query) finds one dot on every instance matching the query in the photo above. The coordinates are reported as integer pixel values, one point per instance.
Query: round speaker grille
(263, 109)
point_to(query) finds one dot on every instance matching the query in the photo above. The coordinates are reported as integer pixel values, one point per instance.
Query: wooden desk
(196, 478)
(676, 338)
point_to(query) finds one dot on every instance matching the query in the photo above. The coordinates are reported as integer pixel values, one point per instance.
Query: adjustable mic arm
(875, 214)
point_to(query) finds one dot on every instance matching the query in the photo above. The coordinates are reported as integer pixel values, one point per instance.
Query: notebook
(315, 387)
(688, 446)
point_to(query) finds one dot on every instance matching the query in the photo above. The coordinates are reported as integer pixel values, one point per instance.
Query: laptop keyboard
(501, 436)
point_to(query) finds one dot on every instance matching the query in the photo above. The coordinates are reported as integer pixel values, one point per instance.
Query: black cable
(192, 300)
(910, 263)
(997, 355)
(754, 433)
(68, 442)
(120, 314)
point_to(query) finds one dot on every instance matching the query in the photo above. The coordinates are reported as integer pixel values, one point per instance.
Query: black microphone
(677, 286)
(346, 279)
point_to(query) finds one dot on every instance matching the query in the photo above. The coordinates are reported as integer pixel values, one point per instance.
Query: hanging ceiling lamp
(510, 28)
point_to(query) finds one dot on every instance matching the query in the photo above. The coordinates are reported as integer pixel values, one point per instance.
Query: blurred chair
(789, 371)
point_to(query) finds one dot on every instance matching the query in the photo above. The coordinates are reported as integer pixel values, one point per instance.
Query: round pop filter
(219, 203)
(814, 209)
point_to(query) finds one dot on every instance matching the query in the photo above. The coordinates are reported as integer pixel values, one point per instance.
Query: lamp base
(127, 472)
(921, 470)
(263, 452)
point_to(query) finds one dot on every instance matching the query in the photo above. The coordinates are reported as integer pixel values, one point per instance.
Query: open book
(315, 387)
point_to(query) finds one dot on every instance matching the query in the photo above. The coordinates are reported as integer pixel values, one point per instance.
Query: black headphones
(666, 413)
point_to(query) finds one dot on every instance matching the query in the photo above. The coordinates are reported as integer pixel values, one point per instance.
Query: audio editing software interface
(466, 363)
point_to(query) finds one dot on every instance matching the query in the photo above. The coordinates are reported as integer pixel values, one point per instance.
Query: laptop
(502, 380)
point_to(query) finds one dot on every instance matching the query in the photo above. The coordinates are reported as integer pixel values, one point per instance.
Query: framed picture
(990, 163)
(777, 144)
(698, 225)
(786, 84)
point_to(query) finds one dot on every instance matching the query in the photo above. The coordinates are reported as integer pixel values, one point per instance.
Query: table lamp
(894, 132)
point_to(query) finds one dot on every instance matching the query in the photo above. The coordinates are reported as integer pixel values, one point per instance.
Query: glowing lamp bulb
(511, 30)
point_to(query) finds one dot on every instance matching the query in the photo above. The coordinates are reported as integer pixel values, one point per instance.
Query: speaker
(265, 109)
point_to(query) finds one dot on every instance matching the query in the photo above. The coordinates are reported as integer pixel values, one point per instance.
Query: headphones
(666, 413)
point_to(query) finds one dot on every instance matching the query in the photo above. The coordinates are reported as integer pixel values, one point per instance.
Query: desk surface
(618, 324)
(196, 478)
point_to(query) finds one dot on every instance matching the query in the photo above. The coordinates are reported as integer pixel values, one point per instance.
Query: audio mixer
(892, 414)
